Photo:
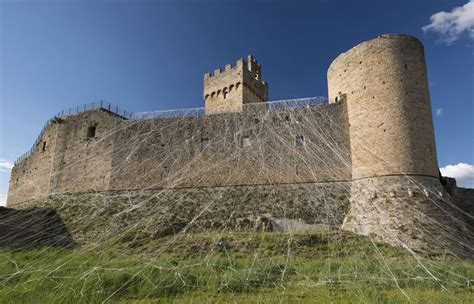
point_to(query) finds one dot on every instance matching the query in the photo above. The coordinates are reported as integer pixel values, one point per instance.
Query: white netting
(273, 238)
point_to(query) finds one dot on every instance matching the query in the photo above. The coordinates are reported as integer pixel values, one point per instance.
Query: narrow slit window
(245, 141)
(44, 146)
(204, 144)
(91, 132)
(300, 141)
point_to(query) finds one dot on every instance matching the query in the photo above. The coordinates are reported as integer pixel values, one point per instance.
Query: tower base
(413, 212)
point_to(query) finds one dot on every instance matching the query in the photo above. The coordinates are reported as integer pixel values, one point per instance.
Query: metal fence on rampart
(105, 105)
(101, 104)
(38, 139)
(271, 105)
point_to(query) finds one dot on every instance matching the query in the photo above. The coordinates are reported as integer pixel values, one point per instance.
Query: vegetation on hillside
(238, 267)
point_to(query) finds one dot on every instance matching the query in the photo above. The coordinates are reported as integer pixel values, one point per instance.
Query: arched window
(213, 94)
(231, 88)
(237, 85)
(218, 93)
(207, 96)
(224, 93)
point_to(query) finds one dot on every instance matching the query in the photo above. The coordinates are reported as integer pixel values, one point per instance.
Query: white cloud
(452, 25)
(3, 199)
(439, 112)
(462, 172)
(5, 165)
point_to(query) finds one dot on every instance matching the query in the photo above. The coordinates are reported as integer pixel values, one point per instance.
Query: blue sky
(150, 55)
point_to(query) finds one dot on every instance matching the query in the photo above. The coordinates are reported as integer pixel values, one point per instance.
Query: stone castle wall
(378, 123)
(66, 158)
(254, 147)
(82, 160)
(31, 177)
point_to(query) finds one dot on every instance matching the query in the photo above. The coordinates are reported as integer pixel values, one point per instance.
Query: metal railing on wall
(105, 105)
(37, 141)
(102, 104)
(297, 103)
(269, 106)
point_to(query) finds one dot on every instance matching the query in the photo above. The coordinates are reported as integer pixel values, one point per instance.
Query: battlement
(252, 66)
(227, 90)
(227, 68)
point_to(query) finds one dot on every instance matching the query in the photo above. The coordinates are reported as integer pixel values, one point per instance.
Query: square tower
(228, 90)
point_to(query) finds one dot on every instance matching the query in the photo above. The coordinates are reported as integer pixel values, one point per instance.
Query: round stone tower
(385, 85)
(396, 194)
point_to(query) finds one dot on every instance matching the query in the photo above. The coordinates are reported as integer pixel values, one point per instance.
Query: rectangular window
(44, 146)
(300, 141)
(245, 141)
(204, 143)
(91, 132)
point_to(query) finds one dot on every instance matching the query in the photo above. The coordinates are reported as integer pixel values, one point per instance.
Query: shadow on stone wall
(33, 228)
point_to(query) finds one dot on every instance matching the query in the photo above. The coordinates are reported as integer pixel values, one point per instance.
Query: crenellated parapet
(227, 90)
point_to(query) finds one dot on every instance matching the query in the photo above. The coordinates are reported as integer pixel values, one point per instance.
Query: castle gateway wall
(98, 150)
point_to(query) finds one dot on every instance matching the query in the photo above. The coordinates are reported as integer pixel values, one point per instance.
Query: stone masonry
(227, 91)
(375, 136)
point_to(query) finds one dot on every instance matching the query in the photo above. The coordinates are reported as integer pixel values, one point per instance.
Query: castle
(372, 144)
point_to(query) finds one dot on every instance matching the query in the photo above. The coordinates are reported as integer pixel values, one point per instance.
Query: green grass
(235, 267)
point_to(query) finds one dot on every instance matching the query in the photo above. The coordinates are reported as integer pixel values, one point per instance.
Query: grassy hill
(325, 267)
